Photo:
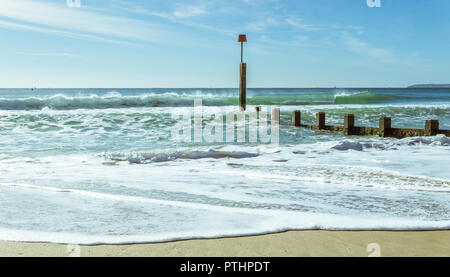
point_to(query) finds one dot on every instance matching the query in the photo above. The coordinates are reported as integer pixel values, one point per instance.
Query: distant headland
(430, 86)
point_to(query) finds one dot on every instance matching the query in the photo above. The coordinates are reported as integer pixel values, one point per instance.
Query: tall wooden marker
(243, 75)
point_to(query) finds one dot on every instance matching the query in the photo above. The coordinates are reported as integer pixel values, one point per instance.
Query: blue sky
(193, 43)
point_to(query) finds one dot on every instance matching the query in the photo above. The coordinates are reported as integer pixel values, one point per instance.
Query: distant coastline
(430, 86)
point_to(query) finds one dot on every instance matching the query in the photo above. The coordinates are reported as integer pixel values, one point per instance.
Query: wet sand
(286, 244)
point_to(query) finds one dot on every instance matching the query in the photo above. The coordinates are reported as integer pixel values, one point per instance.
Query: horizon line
(237, 88)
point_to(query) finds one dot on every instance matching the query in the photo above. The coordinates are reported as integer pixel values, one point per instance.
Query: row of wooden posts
(384, 130)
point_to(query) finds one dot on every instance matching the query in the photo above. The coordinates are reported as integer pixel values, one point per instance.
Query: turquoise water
(101, 165)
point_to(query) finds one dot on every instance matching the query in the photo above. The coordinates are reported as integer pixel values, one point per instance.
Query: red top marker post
(242, 39)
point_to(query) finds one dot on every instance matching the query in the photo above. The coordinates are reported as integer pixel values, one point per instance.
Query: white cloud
(43, 16)
(180, 19)
(48, 54)
(258, 26)
(189, 11)
(27, 27)
(364, 48)
(295, 22)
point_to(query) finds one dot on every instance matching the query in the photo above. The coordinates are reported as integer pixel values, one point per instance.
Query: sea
(102, 166)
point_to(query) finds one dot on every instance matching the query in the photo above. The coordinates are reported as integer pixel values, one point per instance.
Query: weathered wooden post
(243, 75)
(349, 124)
(385, 127)
(296, 118)
(431, 127)
(276, 115)
(258, 109)
(320, 120)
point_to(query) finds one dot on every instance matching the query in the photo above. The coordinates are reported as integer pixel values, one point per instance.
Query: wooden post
(258, 109)
(296, 118)
(349, 123)
(431, 127)
(243, 75)
(276, 115)
(385, 127)
(320, 120)
(242, 52)
(243, 87)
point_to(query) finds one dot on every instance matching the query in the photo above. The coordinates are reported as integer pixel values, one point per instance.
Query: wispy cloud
(298, 24)
(59, 19)
(364, 48)
(258, 26)
(94, 24)
(184, 11)
(280, 21)
(181, 16)
(44, 30)
(48, 54)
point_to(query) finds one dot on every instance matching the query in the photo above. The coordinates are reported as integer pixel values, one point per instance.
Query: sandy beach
(287, 244)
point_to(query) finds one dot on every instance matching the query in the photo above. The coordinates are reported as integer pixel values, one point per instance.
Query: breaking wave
(165, 156)
(114, 100)
(173, 99)
(367, 98)
(439, 140)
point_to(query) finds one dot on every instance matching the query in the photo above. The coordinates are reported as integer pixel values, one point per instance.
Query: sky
(193, 43)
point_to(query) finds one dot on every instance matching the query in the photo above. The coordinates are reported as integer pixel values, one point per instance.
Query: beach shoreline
(314, 243)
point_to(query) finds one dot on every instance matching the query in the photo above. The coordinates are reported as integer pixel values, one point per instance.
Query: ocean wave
(439, 140)
(367, 98)
(115, 99)
(284, 222)
(166, 156)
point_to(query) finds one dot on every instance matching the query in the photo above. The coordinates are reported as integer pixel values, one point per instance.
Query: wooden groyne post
(431, 127)
(349, 124)
(297, 118)
(384, 130)
(243, 76)
(385, 127)
(320, 120)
